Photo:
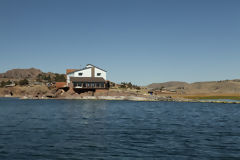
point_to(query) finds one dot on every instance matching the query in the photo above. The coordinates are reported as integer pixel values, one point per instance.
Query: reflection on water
(82, 129)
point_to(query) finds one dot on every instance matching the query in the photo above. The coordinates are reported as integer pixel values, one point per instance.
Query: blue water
(82, 129)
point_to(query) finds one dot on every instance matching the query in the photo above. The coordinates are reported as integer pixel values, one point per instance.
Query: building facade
(89, 78)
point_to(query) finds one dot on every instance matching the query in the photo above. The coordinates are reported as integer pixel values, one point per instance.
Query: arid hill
(36, 76)
(211, 87)
(21, 73)
(169, 85)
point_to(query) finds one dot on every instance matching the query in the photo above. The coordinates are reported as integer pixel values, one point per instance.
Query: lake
(84, 129)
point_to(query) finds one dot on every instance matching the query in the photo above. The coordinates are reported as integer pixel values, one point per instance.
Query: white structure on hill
(89, 71)
(90, 78)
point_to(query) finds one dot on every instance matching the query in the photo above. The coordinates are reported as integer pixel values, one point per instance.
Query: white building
(88, 77)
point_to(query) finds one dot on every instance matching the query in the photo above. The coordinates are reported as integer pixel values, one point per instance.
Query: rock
(71, 92)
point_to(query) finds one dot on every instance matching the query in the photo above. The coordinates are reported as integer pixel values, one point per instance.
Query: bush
(123, 85)
(60, 78)
(136, 87)
(23, 82)
(43, 77)
(39, 78)
(3, 83)
(129, 85)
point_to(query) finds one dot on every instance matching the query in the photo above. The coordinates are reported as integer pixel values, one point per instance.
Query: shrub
(23, 82)
(129, 85)
(3, 83)
(43, 77)
(60, 78)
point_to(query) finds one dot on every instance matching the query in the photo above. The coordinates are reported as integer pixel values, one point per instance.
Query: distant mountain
(21, 73)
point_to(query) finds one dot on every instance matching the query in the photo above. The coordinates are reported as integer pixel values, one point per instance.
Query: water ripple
(73, 129)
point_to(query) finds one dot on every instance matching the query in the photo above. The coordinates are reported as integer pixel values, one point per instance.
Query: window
(97, 85)
(74, 84)
(80, 74)
(88, 85)
(98, 74)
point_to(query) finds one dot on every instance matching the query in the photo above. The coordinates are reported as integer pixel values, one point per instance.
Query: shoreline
(123, 98)
(44, 92)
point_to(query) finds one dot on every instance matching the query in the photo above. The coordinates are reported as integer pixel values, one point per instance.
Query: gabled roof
(78, 70)
(96, 67)
(87, 79)
(70, 70)
(75, 70)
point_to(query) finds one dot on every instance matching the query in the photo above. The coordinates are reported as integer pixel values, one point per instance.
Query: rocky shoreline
(130, 98)
(42, 92)
(34, 84)
(122, 98)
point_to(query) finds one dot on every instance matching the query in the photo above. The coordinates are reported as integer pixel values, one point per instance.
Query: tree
(60, 78)
(44, 77)
(39, 78)
(129, 85)
(47, 78)
(123, 85)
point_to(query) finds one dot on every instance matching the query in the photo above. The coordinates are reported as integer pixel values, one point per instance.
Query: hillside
(169, 85)
(212, 87)
(32, 75)
(181, 88)
(21, 73)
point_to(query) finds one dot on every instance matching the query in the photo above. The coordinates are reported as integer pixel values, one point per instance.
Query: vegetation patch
(3, 83)
(129, 85)
(23, 82)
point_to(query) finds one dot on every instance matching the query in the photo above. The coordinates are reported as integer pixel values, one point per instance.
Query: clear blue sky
(134, 40)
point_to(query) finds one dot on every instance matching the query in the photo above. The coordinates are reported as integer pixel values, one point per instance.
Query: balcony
(89, 85)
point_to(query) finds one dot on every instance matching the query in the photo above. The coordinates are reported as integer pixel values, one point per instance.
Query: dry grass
(210, 96)
(21, 91)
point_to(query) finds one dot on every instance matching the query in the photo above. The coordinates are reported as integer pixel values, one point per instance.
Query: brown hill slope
(21, 73)
(168, 85)
(219, 87)
(212, 87)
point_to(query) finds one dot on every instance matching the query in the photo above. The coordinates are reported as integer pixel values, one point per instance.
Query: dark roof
(87, 79)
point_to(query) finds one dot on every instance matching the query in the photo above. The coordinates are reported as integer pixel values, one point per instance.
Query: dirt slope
(218, 87)
(21, 73)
